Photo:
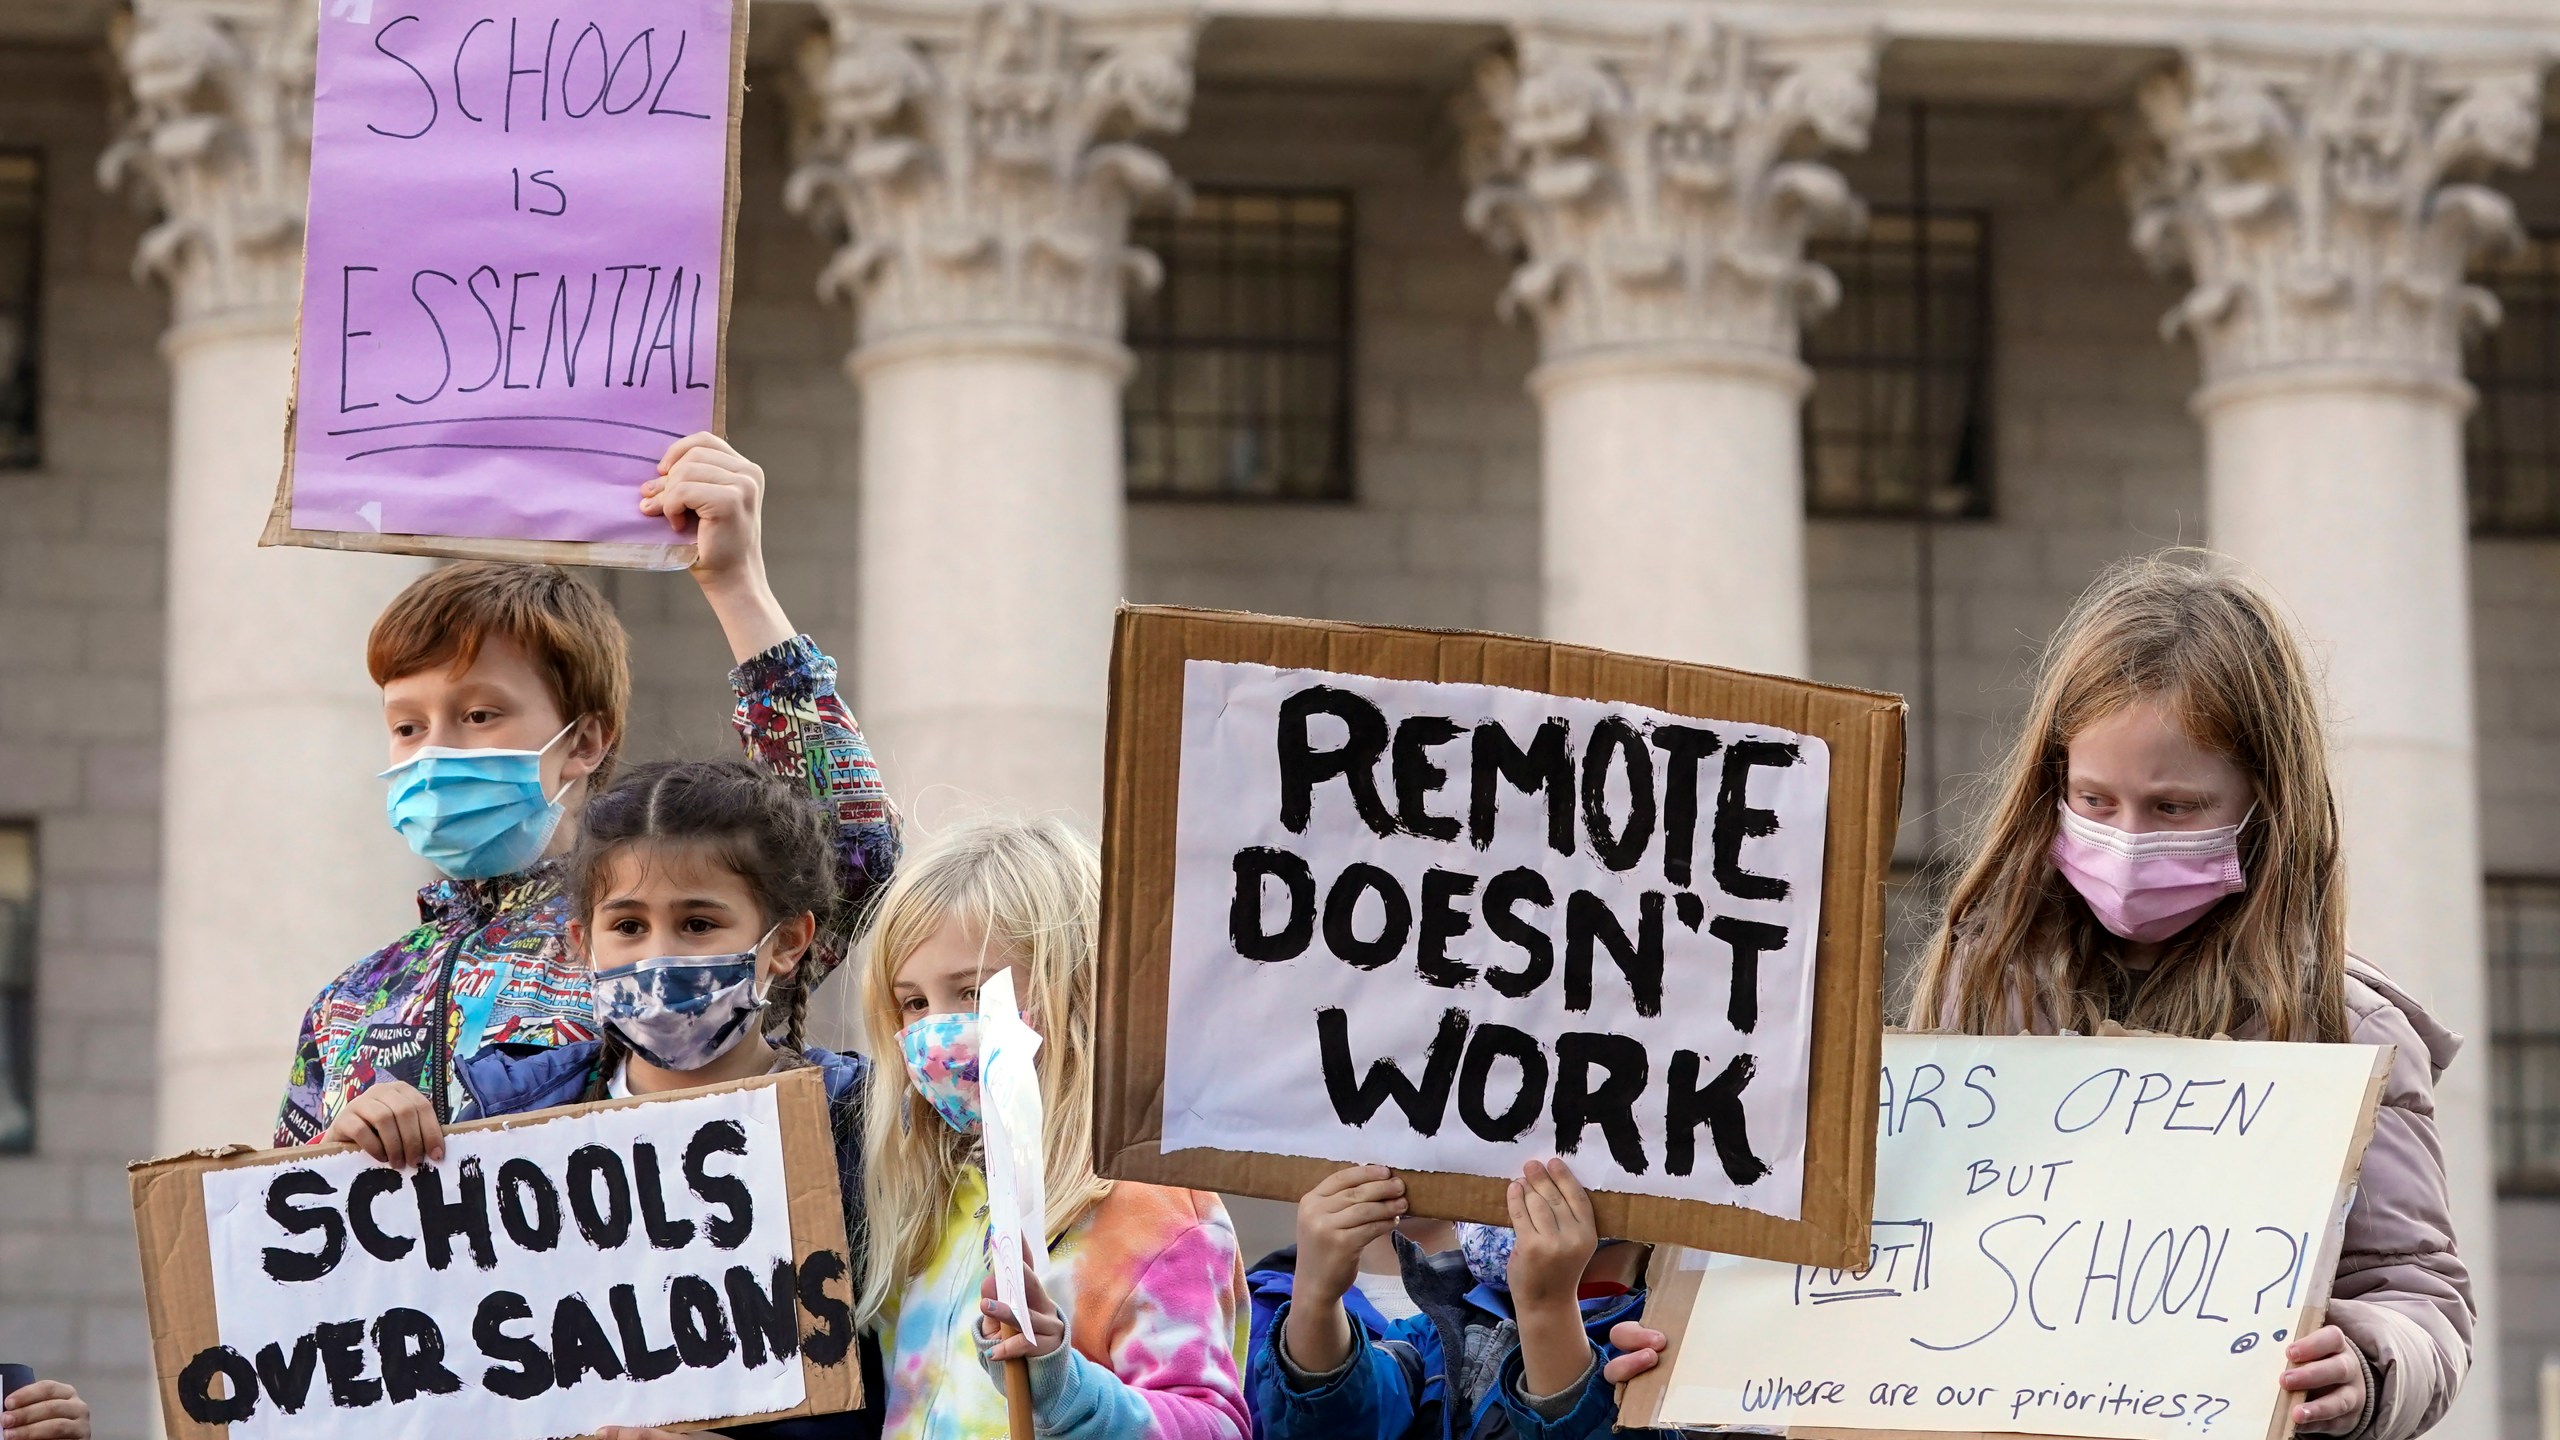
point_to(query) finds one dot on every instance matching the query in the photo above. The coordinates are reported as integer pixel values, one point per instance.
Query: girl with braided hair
(695, 894)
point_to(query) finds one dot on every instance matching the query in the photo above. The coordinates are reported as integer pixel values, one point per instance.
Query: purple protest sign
(515, 273)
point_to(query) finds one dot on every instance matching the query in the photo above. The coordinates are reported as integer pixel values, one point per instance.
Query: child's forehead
(498, 665)
(955, 949)
(669, 869)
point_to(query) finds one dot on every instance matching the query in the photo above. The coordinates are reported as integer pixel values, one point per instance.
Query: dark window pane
(2512, 448)
(17, 988)
(1898, 421)
(1243, 379)
(2524, 1037)
(21, 246)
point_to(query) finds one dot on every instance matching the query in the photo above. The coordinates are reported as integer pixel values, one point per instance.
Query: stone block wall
(80, 726)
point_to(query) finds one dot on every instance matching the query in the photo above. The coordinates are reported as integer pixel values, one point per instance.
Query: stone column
(975, 162)
(2311, 198)
(1642, 180)
(277, 868)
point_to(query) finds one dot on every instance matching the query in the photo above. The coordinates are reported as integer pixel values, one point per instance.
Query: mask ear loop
(566, 782)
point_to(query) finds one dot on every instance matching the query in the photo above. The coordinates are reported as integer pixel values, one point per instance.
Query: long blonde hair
(2018, 949)
(1030, 890)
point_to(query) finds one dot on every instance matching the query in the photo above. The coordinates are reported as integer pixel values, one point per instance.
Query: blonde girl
(1133, 1322)
(2162, 850)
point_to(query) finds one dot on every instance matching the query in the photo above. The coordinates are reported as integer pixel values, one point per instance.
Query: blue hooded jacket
(1400, 1387)
(518, 1079)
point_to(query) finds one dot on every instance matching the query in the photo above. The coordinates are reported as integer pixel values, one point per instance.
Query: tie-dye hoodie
(1151, 1287)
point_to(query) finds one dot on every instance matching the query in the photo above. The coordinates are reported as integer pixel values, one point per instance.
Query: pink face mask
(2146, 888)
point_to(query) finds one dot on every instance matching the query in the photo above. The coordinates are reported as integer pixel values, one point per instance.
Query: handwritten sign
(638, 1262)
(1442, 924)
(515, 273)
(2101, 1237)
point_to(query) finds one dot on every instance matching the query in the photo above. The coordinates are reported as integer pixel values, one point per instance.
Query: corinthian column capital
(978, 165)
(216, 137)
(2317, 201)
(1649, 182)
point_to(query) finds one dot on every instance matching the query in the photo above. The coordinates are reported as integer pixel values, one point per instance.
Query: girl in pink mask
(2162, 851)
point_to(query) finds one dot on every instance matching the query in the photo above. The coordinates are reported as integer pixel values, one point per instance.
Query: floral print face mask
(942, 1063)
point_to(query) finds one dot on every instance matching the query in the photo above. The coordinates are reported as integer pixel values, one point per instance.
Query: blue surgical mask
(475, 813)
(681, 1012)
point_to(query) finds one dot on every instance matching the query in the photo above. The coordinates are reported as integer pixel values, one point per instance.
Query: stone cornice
(216, 138)
(2317, 200)
(1646, 181)
(976, 162)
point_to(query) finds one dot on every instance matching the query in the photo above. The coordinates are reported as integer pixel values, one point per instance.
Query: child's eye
(629, 926)
(480, 717)
(698, 925)
(911, 1004)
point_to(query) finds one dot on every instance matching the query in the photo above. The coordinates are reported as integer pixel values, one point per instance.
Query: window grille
(1243, 381)
(21, 249)
(1899, 420)
(2524, 1032)
(17, 988)
(2512, 448)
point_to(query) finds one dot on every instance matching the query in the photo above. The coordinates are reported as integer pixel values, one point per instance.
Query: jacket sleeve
(1173, 1359)
(794, 724)
(2402, 1292)
(298, 1119)
(1371, 1396)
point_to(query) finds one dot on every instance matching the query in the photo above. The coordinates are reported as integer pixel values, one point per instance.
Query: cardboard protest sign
(1448, 901)
(636, 1262)
(515, 274)
(2073, 1236)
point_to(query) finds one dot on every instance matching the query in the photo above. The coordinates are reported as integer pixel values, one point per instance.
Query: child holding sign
(1504, 1342)
(695, 894)
(2163, 852)
(504, 688)
(1135, 1302)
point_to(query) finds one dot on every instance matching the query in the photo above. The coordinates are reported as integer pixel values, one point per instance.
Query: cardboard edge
(734, 192)
(168, 1200)
(1670, 1290)
(609, 554)
(2323, 1269)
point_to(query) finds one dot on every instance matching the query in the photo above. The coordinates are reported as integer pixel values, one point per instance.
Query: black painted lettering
(1717, 1105)
(1490, 1043)
(1683, 747)
(1356, 1101)
(1599, 1078)
(1442, 922)
(599, 1197)
(1342, 913)
(523, 1368)
(1738, 820)
(767, 1316)
(466, 1215)
(1619, 847)
(1510, 888)
(1750, 940)
(1354, 762)
(412, 1350)
(1417, 779)
(1547, 765)
(1589, 924)
(578, 1344)
(289, 1267)
(528, 1205)
(1253, 865)
(370, 1185)
(663, 1233)
(727, 1193)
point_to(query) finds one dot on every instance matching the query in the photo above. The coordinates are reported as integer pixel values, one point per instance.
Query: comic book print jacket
(488, 964)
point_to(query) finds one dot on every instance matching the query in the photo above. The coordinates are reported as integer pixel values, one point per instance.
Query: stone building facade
(1580, 302)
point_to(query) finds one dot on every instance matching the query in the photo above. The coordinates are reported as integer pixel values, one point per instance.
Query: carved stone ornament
(216, 137)
(975, 161)
(1647, 181)
(2308, 197)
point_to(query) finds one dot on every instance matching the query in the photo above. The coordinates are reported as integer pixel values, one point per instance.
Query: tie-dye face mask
(942, 1063)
